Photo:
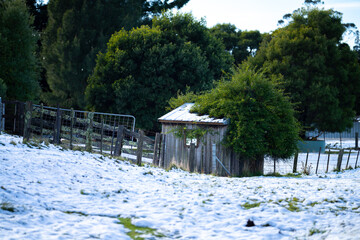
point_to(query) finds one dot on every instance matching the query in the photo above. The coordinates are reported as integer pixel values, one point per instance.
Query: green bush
(262, 119)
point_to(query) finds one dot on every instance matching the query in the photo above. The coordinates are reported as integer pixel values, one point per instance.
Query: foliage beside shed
(262, 118)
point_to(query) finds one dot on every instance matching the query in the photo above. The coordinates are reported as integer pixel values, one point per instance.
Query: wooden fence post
(357, 157)
(41, 120)
(213, 159)
(356, 140)
(139, 147)
(274, 165)
(338, 166)
(16, 110)
(101, 134)
(57, 126)
(295, 161)
(347, 162)
(27, 121)
(162, 151)
(156, 149)
(202, 169)
(21, 112)
(112, 139)
(1, 115)
(306, 161)
(72, 115)
(3, 118)
(192, 157)
(89, 130)
(318, 160)
(328, 160)
(119, 140)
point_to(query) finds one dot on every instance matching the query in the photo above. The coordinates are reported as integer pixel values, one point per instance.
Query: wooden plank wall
(176, 153)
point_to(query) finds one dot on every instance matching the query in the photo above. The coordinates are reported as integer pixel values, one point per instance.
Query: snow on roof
(182, 114)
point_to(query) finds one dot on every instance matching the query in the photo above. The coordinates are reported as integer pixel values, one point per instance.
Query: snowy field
(50, 193)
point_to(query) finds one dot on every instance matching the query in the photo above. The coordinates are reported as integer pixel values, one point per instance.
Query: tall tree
(143, 68)
(241, 44)
(38, 9)
(262, 119)
(321, 74)
(19, 69)
(77, 31)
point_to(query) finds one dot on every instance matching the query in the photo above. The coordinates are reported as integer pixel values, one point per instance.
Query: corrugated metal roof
(182, 114)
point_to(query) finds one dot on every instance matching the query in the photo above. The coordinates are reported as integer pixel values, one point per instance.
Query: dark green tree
(2, 88)
(241, 44)
(19, 69)
(38, 9)
(262, 121)
(77, 31)
(321, 74)
(143, 68)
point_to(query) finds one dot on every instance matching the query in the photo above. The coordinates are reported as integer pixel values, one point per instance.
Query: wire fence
(73, 129)
(315, 163)
(78, 129)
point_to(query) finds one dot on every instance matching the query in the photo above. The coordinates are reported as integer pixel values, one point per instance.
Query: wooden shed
(194, 143)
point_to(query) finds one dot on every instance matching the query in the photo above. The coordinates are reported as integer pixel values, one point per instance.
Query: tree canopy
(77, 30)
(143, 68)
(262, 119)
(321, 74)
(241, 44)
(19, 69)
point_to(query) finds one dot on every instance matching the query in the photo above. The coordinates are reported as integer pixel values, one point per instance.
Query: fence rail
(315, 163)
(115, 134)
(79, 130)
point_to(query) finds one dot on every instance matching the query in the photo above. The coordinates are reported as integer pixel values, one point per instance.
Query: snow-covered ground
(50, 193)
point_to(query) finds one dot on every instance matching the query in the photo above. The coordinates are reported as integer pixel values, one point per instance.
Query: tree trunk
(251, 166)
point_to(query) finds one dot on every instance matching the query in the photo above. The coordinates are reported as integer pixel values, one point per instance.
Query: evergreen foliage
(262, 119)
(182, 98)
(77, 31)
(19, 69)
(321, 74)
(241, 44)
(143, 68)
(38, 9)
(2, 88)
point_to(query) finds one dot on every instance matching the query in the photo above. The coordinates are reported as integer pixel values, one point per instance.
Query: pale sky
(262, 15)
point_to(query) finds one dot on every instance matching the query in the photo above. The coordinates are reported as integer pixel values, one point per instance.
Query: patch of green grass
(290, 204)
(82, 192)
(251, 205)
(294, 175)
(7, 207)
(13, 143)
(75, 212)
(331, 201)
(136, 232)
(315, 231)
(276, 174)
(292, 207)
(206, 201)
(121, 190)
(314, 203)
